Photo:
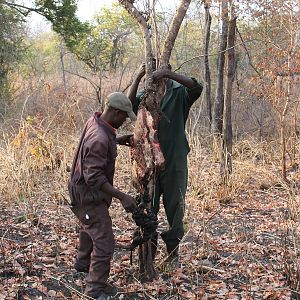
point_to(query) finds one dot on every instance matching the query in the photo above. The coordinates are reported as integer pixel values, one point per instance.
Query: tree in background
(207, 76)
(226, 151)
(107, 47)
(12, 47)
(115, 26)
(221, 121)
(219, 100)
(61, 14)
(277, 61)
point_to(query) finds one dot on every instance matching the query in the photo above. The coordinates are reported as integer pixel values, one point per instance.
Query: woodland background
(242, 237)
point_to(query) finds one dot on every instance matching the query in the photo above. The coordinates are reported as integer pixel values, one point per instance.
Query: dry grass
(36, 151)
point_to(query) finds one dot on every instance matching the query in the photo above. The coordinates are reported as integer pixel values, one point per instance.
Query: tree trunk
(206, 61)
(151, 104)
(295, 135)
(219, 101)
(61, 55)
(113, 55)
(283, 131)
(283, 150)
(226, 161)
(173, 31)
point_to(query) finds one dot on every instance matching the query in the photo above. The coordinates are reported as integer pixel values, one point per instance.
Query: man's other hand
(128, 202)
(141, 70)
(126, 140)
(160, 74)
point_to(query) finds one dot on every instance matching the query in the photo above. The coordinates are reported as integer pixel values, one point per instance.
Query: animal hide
(146, 152)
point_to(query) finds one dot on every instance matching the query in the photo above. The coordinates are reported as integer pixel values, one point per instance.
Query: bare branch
(94, 85)
(145, 29)
(248, 54)
(173, 31)
(212, 54)
(20, 8)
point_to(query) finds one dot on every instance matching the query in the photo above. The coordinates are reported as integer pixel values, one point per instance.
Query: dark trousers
(172, 184)
(96, 247)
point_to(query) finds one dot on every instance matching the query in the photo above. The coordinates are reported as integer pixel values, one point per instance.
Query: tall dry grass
(37, 148)
(256, 168)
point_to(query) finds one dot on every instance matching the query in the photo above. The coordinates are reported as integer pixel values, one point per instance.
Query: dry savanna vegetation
(242, 234)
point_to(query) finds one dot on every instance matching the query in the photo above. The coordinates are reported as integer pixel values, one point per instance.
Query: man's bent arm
(182, 79)
(135, 84)
(127, 201)
(110, 190)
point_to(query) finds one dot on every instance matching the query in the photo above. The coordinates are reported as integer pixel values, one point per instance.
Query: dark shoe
(104, 296)
(173, 263)
(80, 268)
(172, 250)
(173, 257)
(154, 245)
(111, 290)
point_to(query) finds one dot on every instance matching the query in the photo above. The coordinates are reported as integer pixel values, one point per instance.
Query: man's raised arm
(135, 84)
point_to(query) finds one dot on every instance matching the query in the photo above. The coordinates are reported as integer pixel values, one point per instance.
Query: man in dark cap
(91, 190)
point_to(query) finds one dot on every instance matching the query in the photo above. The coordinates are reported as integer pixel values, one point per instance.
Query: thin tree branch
(248, 54)
(95, 86)
(19, 8)
(212, 54)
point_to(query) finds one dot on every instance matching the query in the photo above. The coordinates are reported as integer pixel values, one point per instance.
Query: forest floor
(238, 243)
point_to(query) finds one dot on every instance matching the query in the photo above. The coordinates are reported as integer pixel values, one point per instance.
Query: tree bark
(173, 31)
(226, 161)
(113, 55)
(207, 78)
(219, 100)
(61, 56)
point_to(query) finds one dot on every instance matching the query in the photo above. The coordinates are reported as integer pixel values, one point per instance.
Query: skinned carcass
(147, 157)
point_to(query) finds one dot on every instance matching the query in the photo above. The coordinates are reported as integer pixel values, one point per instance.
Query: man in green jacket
(180, 94)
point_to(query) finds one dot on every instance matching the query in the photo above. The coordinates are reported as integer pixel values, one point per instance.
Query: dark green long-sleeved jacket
(175, 106)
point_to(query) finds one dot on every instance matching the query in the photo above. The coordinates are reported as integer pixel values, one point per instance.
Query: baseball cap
(119, 101)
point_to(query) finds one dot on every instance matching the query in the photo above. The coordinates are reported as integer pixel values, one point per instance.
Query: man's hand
(141, 70)
(160, 74)
(126, 140)
(128, 203)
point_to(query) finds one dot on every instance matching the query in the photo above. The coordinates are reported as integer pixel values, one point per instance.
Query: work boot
(173, 257)
(172, 250)
(154, 245)
(104, 296)
(111, 290)
(79, 268)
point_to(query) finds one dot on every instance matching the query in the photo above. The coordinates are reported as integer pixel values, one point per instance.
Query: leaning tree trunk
(206, 61)
(63, 70)
(226, 151)
(147, 156)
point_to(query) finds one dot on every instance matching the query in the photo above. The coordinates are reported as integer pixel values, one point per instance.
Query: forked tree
(147, 156)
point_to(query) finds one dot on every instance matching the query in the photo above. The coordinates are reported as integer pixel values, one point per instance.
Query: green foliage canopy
(11, 39)
(107, 42)
(62, 15)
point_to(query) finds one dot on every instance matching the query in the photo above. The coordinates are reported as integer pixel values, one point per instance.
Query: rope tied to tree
(147, 222)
